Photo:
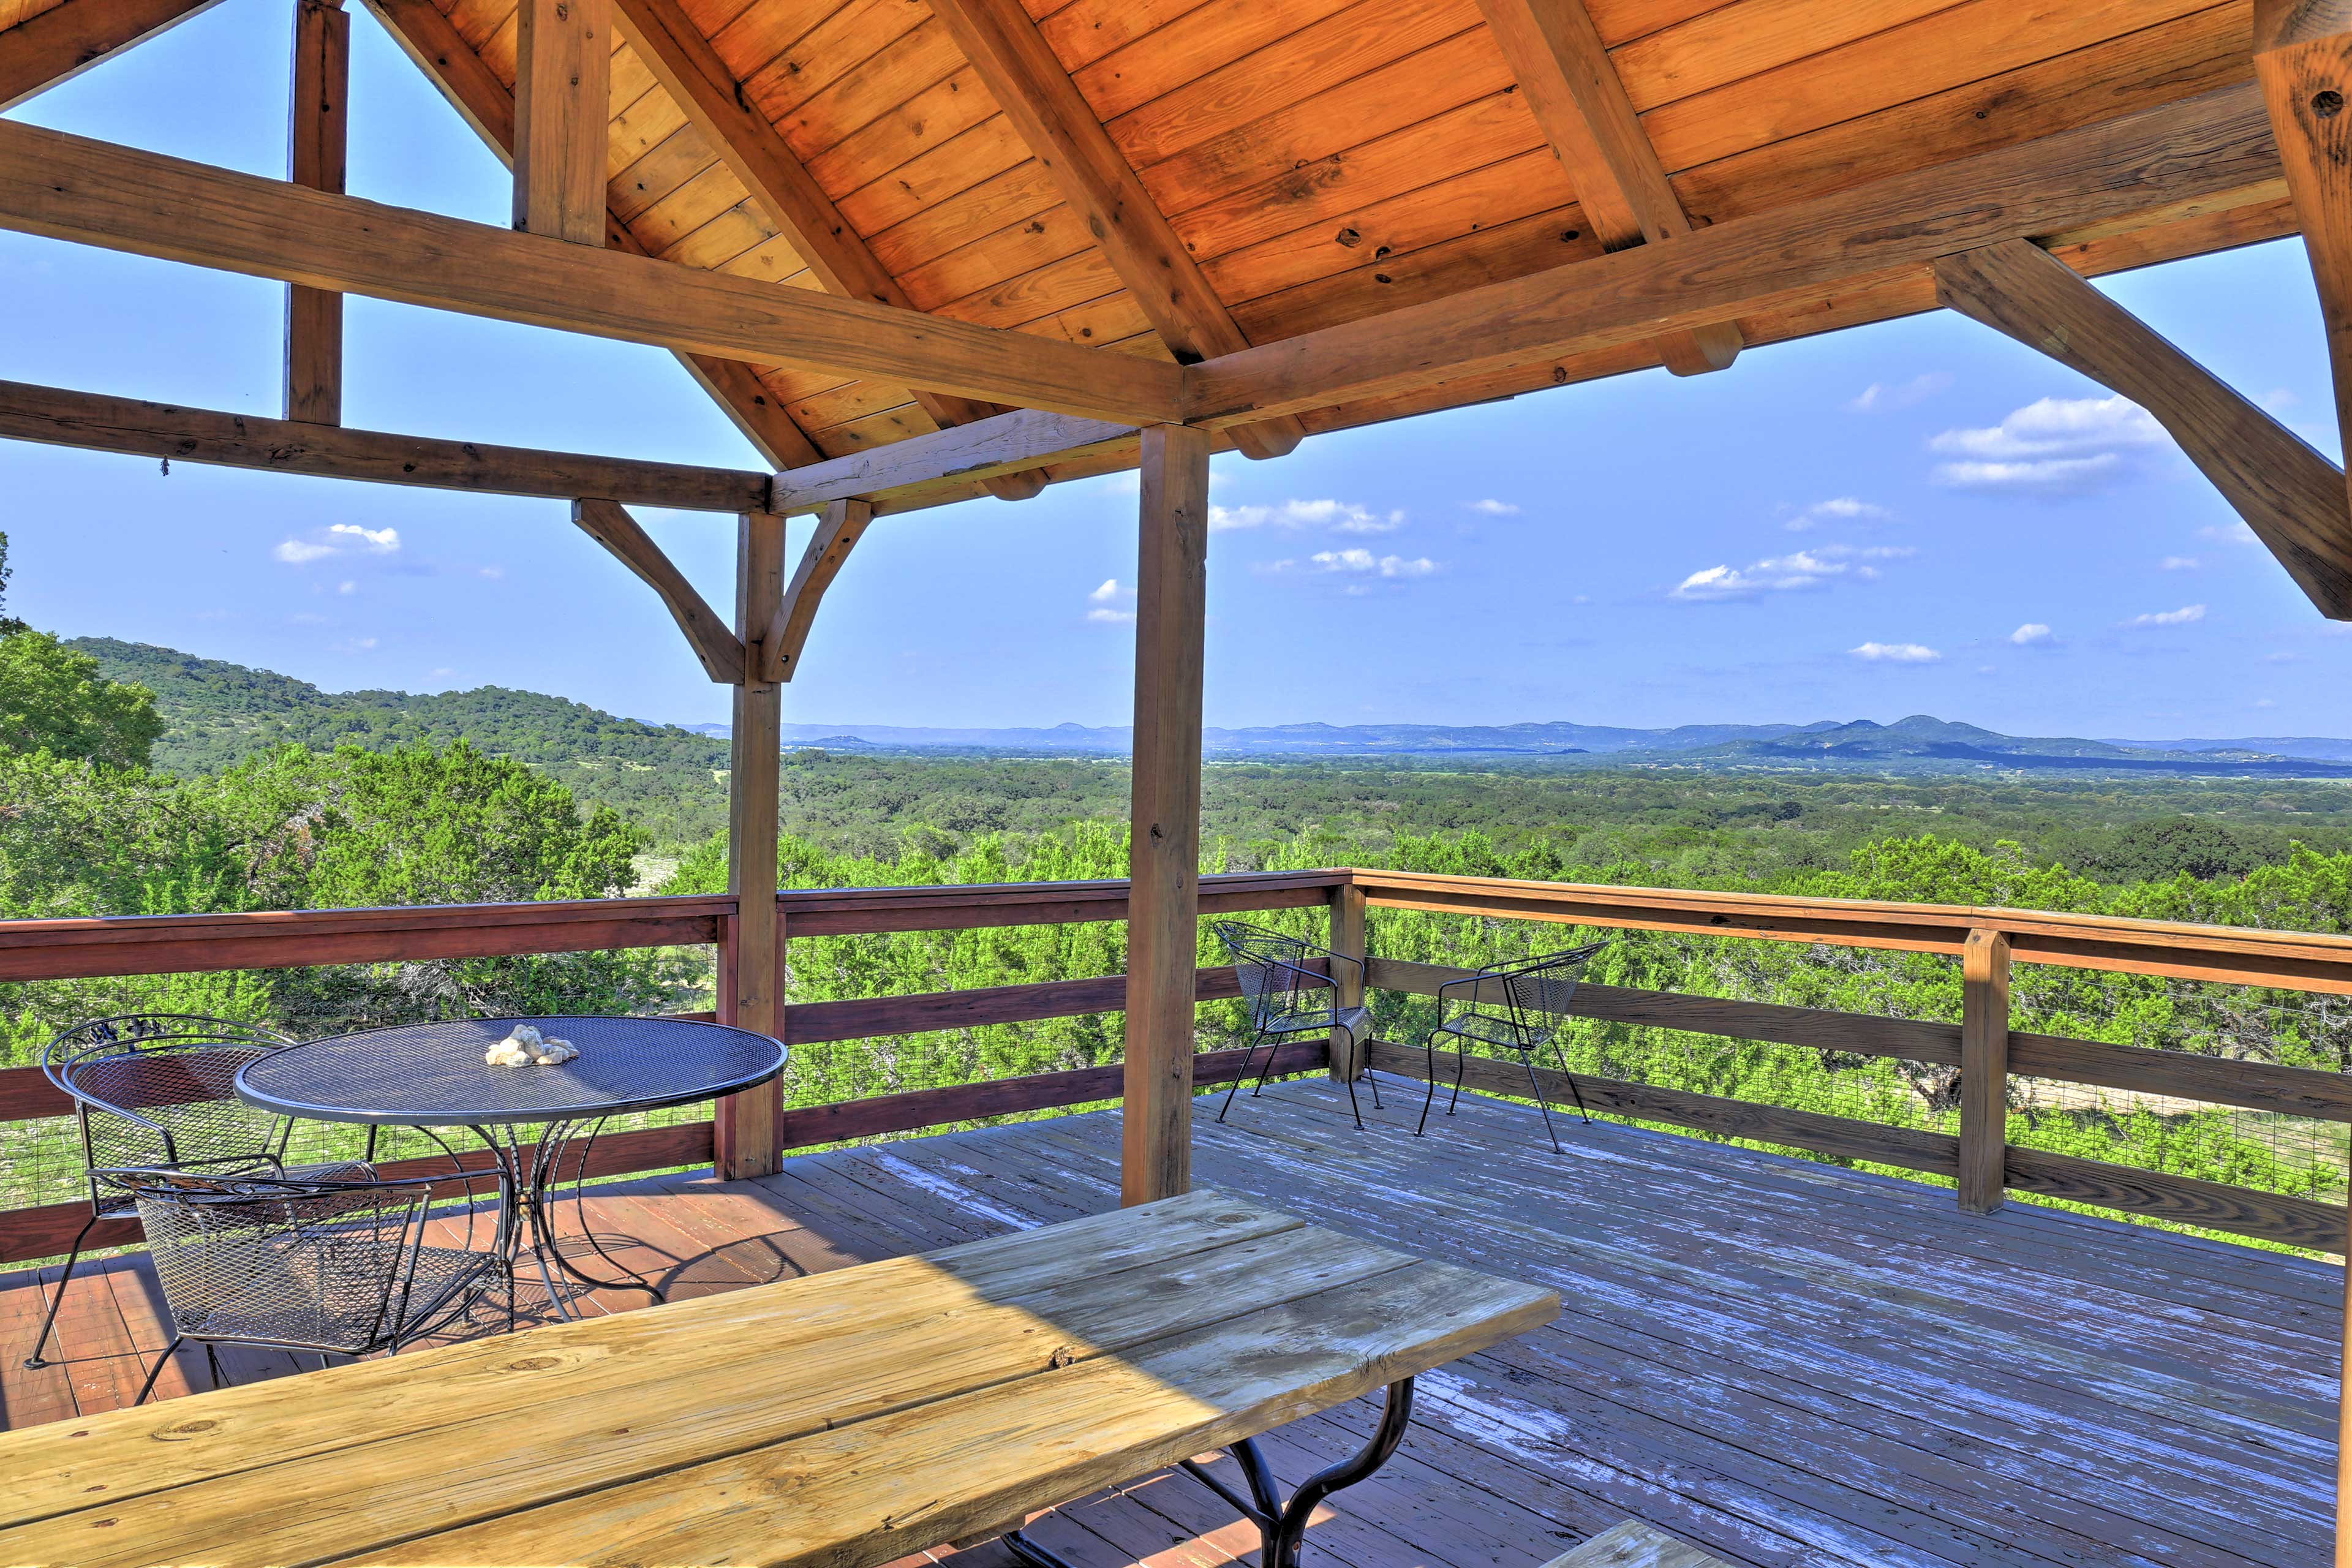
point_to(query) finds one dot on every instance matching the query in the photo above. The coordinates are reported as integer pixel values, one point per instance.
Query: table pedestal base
(527, 1174)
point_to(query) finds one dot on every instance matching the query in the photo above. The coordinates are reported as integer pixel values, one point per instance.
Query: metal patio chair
(1520, 1006)
(1287, 997)
(157, 1090)
(339, 1268)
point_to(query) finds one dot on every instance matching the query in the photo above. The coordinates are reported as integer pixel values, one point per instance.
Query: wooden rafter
(2214, 150)
(1573, 88)
(563, 99)
(91, 193)
(2291, 497)
(609, 524)
(2303, 57)
(838, 530)
(57, 418)
(484, 103)
(315, 136)
(1020, 439)
(715, 103)
(1036, 94)
(67, 41)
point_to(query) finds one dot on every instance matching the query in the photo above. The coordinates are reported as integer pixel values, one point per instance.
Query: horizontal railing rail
(52, 950)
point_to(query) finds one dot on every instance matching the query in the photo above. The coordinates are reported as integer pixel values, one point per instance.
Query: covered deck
(1777, 1360)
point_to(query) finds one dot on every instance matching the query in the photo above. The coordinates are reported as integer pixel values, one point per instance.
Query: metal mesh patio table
(433, 1075)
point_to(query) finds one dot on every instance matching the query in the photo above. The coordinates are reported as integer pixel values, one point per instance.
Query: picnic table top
(850, 1418)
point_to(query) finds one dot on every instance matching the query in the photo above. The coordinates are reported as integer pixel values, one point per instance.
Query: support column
(750, 972)
(1984, 1071)
(1347, 939)
(316, 137)
(1164, 858)
(562, 113)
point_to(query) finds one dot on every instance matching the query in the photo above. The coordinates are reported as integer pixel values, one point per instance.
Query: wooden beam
(610, 525)
(1029, 83)
(2293, 498)
(1003, 443)
(1578, 98)
(67, 41)
(57, 418)
(67, 187)
(1164, 847)
(2216, 149)
(1984, 1070)
(562, 98)
(839, 530)
(435, 46)
(751, 991)
(2303, 59)
(315, 138)
(716, 104)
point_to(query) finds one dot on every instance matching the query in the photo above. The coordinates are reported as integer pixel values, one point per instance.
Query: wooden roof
(1323, 162)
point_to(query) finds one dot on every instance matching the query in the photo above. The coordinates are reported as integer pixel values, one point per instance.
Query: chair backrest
(159, 1089)
(314, 1263)
(1537, 991)
(1269, 966)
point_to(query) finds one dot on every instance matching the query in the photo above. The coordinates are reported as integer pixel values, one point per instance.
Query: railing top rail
(2234, 954)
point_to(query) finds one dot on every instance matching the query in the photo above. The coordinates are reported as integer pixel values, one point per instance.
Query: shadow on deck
(1780, 1361)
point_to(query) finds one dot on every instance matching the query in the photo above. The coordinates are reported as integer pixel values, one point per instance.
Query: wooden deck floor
(1779, 1361)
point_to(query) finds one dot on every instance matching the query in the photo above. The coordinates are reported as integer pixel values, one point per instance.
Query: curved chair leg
(1561, 1052)
(1236, 1085)
(59, 1300)
(212, 1365)
(1527, 1060)
(1461, 1061)
(1430, 1097)
(157, 1371)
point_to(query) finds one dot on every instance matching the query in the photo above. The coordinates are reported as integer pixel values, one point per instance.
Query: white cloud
(2187, 615)
(1792, 573)
(1340, 517)
(2033, 634)
(1878, 396)
(493, 572)
(1838, 509)
(2180, 563)
(1897, 652)
(2266, 702)
(1494, 508)
(2230, 533)
(295, 553)
(1113, 605)
(1364, 564)
(347, 587)
(386, 540)
(2054, 447)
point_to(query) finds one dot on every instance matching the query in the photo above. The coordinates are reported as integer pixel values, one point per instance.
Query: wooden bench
(850, 1418)
(1633, 1545)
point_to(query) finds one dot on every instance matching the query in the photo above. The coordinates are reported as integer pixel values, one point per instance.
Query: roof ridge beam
(699, 82)
(2216, 149)
(1031, 86)
(437, 50)
(92, 193)
(2293, 498)
(1580, 102)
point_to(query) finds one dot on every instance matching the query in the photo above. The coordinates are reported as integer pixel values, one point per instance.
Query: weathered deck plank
(1784, 1363)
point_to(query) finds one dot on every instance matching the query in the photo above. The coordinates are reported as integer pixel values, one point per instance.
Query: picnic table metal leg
(1281, 1526)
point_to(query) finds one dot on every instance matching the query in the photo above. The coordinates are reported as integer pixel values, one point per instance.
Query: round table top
(433, 1075)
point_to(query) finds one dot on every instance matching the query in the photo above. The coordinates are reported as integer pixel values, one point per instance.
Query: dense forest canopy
(136, 780)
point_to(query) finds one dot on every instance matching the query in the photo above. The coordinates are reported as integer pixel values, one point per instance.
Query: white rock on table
(507, 1053)
(553, 1052)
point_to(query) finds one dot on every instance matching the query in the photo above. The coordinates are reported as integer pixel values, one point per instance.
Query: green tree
(55, 699)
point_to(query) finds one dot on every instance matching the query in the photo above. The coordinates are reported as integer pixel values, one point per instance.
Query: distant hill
(1922, 741)
(1311, 739)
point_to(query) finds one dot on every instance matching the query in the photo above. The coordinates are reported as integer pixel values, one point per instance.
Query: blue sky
(1915, 517)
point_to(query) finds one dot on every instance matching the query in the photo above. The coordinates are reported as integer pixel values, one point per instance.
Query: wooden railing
(1983, 1045)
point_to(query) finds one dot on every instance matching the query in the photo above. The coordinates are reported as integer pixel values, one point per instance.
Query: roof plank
(60, 43)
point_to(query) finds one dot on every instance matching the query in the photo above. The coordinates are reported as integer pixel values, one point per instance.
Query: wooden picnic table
(850, 1418)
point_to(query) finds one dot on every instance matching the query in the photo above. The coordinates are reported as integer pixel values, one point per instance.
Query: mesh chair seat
(1496, 1031)
(1357, 1021)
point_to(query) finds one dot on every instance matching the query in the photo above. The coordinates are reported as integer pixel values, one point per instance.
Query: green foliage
(54, 699)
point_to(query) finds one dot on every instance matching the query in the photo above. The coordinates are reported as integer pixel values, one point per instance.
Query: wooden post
(2303, 57)
(1984, 1071)
(563, 111)
(751, 994)
(315, 142)
(1347, 938)
(1164, 858)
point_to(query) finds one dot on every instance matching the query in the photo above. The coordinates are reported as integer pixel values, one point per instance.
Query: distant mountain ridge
(219, 713)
